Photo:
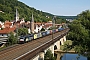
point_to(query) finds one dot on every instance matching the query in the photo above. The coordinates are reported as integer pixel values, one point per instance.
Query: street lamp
(17, 32)
(53, 21)
(53, 25)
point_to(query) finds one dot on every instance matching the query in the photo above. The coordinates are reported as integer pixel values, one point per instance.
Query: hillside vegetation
(80, 33)
(68, 17)
(8, 11)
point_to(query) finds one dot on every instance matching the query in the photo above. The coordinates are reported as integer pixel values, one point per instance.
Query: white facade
(22, 21)
(29, 31)
(2, 24)
(37, 29)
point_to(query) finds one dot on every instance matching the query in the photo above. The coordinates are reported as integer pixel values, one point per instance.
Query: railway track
(16, 51)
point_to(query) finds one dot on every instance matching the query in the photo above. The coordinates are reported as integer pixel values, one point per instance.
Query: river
(70, 56)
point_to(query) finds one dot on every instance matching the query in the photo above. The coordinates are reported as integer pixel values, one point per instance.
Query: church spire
(17, 15)
(32, 24)
(32, 18)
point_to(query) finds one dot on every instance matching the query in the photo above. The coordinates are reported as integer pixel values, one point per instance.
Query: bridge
(35, 49)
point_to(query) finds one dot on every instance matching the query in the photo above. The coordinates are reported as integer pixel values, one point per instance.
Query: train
(30, 37)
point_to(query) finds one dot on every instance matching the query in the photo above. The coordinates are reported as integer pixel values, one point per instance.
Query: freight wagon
(29, 37)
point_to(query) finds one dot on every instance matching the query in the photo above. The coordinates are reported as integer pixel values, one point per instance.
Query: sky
(59, 7)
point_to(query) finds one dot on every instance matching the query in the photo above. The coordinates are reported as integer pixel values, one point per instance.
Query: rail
(29, 50)
(41, 48)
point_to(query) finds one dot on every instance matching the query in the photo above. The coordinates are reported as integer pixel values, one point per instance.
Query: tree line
(9, 8)
(80, 33)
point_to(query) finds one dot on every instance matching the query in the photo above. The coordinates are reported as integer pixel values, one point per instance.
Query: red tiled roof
(4, 31)
(39, 24)
(7, 30)
(7, 24)
(47, 25)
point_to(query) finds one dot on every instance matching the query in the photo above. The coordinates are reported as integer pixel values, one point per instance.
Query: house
(6, 31)
(37, 27)
(2, 25)
(8, 24)
(46, 26)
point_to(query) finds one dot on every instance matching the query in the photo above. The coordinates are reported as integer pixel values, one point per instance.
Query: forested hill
(68, 17)
(8, 9)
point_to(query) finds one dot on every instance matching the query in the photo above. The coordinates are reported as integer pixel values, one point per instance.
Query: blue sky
(59, 7)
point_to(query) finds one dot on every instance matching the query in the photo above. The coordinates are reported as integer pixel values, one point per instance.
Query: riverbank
(60, 51)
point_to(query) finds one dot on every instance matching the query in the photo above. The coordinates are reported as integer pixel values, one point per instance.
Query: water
(69, 56)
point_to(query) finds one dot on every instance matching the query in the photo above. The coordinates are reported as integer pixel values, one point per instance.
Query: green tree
(49, 55)
(9, 9)
(11, 39)
(22, 31)
(66, 47)
(84, 17)
(80, 32)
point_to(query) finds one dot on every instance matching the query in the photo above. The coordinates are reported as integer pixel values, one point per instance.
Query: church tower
(17, 16)
(32, 24)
